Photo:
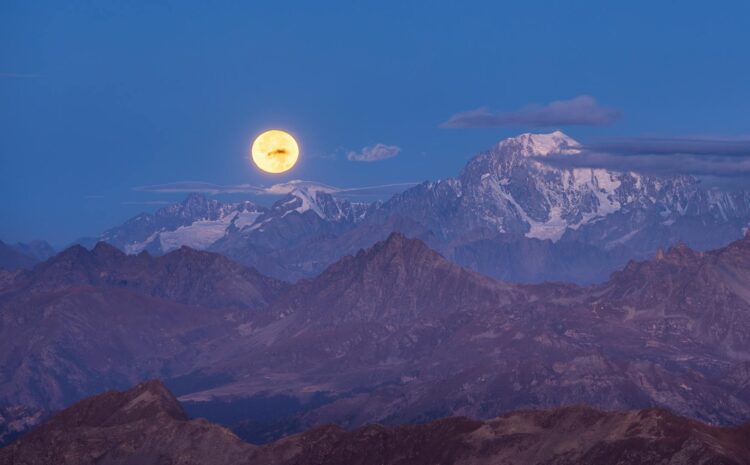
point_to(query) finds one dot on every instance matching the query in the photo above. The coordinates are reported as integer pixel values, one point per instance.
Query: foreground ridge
(146, 425)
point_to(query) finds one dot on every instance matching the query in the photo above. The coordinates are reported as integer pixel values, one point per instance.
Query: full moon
(275, 151)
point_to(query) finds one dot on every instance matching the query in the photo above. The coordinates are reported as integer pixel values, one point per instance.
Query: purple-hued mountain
(507, 215)
(393, 334)
(85, 320)
(399, 334)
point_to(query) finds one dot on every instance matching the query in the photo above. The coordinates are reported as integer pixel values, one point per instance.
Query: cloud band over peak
(712, 158)
(276, 189)
(583, 110)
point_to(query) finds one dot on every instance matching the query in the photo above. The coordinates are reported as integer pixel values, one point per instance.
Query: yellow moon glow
(275, 151)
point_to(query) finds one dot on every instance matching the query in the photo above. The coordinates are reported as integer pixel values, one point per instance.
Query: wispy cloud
(18, 75)
(276, 189)
(711, 158)
(583, 110)
(147, 202)
(200, 187)
(375, 152)
(668, 146)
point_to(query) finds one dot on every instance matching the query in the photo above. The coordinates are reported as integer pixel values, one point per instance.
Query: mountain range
(146, 425)
(513, 286)
(393, 334)
(508, 215)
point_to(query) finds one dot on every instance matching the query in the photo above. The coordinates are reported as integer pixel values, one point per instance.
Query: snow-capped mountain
(508, 214)
(509, 190)
(508, 195)
(322, 204)
(515, 193)
(196, 222)
(199, 222)
(615, 207)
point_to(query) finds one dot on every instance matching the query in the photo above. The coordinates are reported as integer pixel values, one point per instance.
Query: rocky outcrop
(144, 425)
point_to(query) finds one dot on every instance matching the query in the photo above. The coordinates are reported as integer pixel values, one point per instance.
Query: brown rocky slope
(146, 425)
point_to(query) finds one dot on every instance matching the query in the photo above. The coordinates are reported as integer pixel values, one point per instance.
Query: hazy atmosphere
(374, 233)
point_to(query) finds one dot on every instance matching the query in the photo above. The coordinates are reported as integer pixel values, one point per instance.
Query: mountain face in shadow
(146, 425)
(85, 320)
(393, 334)
(186, 276)
(143, 425)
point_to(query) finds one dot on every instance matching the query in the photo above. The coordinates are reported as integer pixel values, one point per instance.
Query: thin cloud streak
(583, 110)
(19, 75)
(276, 189)
(147, 202)
(670, 146)
(199, 187)
(698, 165)
(706, 158)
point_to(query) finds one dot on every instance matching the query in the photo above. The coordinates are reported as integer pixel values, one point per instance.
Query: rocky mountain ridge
(411, 336)
(393, 334)
(146, 425)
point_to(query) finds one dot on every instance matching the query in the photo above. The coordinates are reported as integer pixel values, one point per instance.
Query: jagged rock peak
(145, 400)
(680, 251)
(102, 249)
(397, 244)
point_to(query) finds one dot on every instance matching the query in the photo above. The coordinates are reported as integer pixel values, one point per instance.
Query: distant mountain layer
(394, 334)
(507, 215)
(146, 425)
(23, 255)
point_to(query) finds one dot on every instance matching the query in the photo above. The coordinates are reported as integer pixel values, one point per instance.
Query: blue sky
(97, 98)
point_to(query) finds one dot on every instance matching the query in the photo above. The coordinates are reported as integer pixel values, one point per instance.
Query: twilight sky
(100, 98)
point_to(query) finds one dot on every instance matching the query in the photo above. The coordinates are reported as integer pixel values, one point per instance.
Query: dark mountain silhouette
(146, 425)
